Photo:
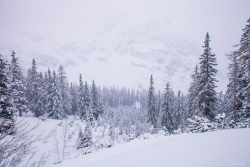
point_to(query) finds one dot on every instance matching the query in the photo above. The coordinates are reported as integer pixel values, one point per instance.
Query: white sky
(69, 20)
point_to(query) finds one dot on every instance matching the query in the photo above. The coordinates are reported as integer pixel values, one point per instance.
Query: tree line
(49, 95)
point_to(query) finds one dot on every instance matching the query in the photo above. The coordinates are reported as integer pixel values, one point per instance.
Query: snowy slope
(218, 149)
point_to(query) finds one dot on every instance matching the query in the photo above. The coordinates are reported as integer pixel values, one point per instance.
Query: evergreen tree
(34, 91)
(158, 103)
(111, 132)
(73, 99)
(220, 104)
(87, 137)
(184, 115)
(80, 140)
(87, 102)
(81, 104)
(207, 95)
(94, 101)
(6, 102)
(17, 86)
(243, 53)
(167, 109)
(178, 110)
(193, 94)
(151, 103)
(64, 89)
(234, 103)
(42, 93)
(54, 99)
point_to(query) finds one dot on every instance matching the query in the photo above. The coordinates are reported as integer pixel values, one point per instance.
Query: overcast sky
(61, 20)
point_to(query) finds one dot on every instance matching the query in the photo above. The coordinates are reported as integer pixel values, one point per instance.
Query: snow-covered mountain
(114, 49)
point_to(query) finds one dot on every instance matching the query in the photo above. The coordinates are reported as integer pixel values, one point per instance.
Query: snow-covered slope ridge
(218, 149)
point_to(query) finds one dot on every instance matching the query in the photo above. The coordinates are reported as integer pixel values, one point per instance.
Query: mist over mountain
(115, 48)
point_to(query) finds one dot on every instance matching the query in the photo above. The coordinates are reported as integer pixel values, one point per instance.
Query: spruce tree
(87, 103)
(167, 109)
(64, 89)
(234, 103)
(111, 132)
(193, 93)
(243, 53)
(94, 101)
(87, 136)
(207, 96)
(151, 103)
(80, 140)
(42, 93)
(54, 98)
(220, 108)
(81, 104)
(178, 110)
(17, 86)
(6, 101)
(73, 99)
(34, 90)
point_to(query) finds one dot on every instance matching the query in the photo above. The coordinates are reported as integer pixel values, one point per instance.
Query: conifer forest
(84, 117)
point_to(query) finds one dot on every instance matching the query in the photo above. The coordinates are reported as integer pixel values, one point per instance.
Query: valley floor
(212, 149)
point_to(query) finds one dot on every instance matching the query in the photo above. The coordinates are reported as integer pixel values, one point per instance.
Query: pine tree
(111, 132)
(64, 89)
(193, 93)
(184, 115)
(243, 53)
(42, 93)
(87, 137)
(34, 90)
(87, 103)
(207, 96)
(80, 140)
(17, 86)
(167, 109)
(151, 103)
(6, 101)
(233, 88)
(73, 99)
(94, 101)
(54, 99)
(220, 104)
(81, 104)
(178, 110)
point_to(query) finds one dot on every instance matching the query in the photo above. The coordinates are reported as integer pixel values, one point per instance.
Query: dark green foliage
(81, 104)
(167, 109)
(6, 102)
(193, 92)
(207, 96)
(34, 91)
(151, 103)
(17, 86)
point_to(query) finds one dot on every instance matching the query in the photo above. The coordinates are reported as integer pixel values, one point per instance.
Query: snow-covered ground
(218, 148)
(221, 148)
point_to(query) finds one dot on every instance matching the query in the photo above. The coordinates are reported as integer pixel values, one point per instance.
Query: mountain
(114, 49)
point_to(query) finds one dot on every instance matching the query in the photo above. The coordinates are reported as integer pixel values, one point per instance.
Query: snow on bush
(166, 131)
(220, 120)
(176, 132)
(238, 125)
(145, 136)
(199, 125)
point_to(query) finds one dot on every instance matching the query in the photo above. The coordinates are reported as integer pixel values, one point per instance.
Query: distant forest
(49, 95)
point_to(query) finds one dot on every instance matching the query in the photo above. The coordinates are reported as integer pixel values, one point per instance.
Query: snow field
(221, 148)
(218, 149)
